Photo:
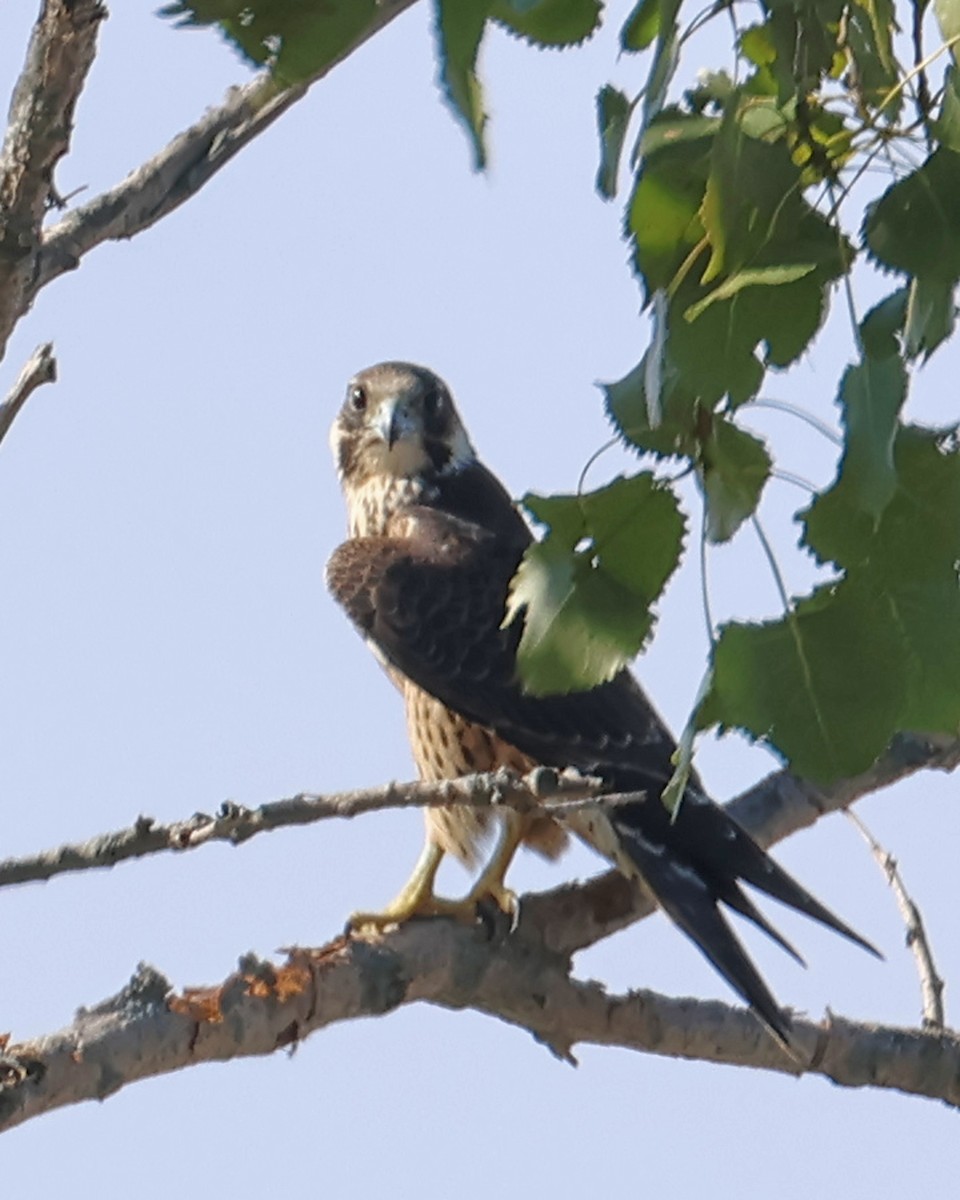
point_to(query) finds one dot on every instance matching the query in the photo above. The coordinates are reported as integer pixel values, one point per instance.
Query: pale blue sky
(166, 643)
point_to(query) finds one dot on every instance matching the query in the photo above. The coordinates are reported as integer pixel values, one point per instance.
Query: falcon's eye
(357, 398)
(432, 403)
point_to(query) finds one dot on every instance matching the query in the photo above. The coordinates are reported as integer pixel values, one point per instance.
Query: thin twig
(931, 985)
(779, 805)
(40, 368)
(234, 823)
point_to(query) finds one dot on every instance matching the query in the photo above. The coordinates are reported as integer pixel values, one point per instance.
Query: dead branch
(61, 51)
(40, 368)
(60, 54)
(235, 823)
(931, 984)
(148, 1029)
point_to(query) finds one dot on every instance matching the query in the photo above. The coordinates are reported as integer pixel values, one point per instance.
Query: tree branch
(61, 51)
(931, 985)
(236, 824)
(523, 978)
(568, 918)
(182, 168)
(147, 1029)
(40, 368)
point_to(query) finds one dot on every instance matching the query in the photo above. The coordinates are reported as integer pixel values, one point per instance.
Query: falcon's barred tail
(692, 905)
(698, 866)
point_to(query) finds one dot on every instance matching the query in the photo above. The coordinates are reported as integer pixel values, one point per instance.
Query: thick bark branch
(40, 368)
(61, 52)
(149, 1030)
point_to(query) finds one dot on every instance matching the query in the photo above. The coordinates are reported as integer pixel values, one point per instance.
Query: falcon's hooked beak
(394, 420)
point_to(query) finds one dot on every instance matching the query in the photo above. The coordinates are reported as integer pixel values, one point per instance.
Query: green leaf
(915, 226)
(825, 685)
(911, 559)
(459, 33)
(587, 589)
(637, 530)
(946, 128)
(577, 629)
(875, 654)
(931, 315)
(717, 354)
(642, 26)
(712, 90)
(671, 127)
(880, 327)
(665, 58)
(761, 294)
(806, 35)
(759, 277)
(295, 39)
(613, 116)
(948, 18)
(869, 33)
(663, 217)
(871, 396)
(757, 45)
(734, 467)
(927, 616)
(672, 432)
(918, 534)
(548, 22)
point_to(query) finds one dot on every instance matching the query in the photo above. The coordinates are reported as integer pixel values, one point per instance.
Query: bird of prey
(434, 541)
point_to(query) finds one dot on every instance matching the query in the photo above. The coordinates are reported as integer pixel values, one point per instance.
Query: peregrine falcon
(434, 541)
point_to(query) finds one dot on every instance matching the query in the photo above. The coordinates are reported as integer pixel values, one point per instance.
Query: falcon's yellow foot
(417, 898)
(490, 885)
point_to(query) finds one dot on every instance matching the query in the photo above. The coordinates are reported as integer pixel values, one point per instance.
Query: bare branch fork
(40, 368)
(61, 52)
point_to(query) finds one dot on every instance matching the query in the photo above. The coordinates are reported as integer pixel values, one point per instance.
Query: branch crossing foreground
(523, 976)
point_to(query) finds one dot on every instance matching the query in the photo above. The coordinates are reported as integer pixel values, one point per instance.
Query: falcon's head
(398, 422)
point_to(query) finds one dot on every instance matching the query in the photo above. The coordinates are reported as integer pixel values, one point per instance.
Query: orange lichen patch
(282, 983)
(200, 1004)
(4, 1040)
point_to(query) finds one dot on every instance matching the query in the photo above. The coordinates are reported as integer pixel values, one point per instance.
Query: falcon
(433, 543)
